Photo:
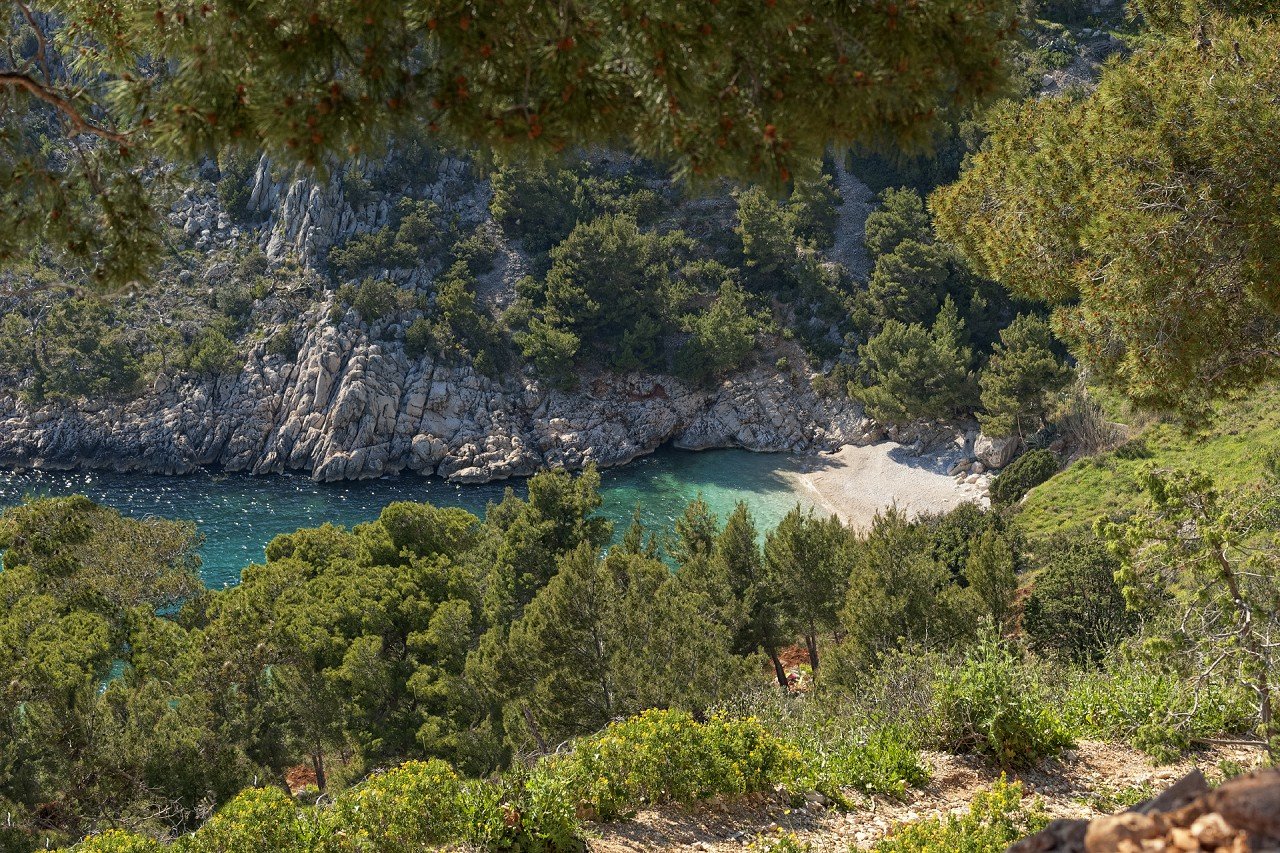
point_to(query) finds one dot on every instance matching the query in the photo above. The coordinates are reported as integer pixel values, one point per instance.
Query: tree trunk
(317, 764)
(533, 729)
(778, 668)
(811, 640)
(1256, 649)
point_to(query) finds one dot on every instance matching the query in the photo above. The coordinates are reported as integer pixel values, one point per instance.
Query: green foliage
(1205, 567)
(117, 841)
(551, 351)
(898, 596)
(900, 217)
(996, 818)
(541, 204)
(236, 168)
(1146, 241)
(907, 283)
(68, 349)
(666, 756)
(991, 572)
(1075, 608)
(374, 299)
(258, 819)
(811, 208)
(410, 808)
(1110, 485)
(357, 79)
(1152, 707)
(885, 761)
(806, 561)
(459, 326)
(1021, 378)
(608, 638)
(211, 352)
(721, 338)
(415, 235)
(910, 372)
(992, 703)
(768, 237)
(605, 287)
(284, 342)
(1022, 475)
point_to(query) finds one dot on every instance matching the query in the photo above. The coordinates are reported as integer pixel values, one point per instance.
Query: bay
(238, 513)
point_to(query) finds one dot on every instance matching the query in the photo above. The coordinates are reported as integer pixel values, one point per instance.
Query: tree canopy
(734, 88)
(1146, 212)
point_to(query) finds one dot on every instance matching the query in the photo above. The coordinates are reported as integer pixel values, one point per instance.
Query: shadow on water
(239, 513)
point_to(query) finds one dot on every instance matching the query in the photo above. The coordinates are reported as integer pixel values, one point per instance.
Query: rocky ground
(1092, 780)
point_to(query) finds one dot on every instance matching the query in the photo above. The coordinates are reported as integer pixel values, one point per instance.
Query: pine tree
(1021, 378)
(744, 91)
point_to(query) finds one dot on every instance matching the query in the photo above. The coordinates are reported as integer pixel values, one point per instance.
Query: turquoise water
(239, 514)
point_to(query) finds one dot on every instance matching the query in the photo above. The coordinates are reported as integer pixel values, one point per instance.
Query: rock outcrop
(353, 405)
(1240, 816)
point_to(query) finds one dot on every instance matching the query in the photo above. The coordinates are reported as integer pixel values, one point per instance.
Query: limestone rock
(996, 452)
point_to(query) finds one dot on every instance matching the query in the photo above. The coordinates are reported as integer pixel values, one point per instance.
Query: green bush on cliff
(1022, 475)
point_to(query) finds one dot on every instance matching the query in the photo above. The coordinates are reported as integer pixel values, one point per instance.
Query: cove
(238, 513)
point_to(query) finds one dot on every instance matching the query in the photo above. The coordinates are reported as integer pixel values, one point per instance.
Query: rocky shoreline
(353, 405)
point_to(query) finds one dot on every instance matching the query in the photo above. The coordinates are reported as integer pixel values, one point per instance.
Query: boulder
(1241, 815)
(996, 452)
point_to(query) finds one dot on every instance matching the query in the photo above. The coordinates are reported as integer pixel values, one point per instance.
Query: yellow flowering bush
(257, 819)
(667, 756)
(402, 810)
(117, 841)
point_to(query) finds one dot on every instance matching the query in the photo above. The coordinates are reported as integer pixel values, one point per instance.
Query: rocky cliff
(351, 407)
(353, 404)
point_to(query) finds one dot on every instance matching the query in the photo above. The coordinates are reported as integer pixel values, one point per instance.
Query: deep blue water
(238, 514)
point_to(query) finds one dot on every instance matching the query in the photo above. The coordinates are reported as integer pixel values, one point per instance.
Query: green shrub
(666, 756)
(995, 819)
(1075, 609)
(419, 338)
(414, 236)
(236, 170)
(374, 299)
(212, 353)
(883, 762)
(117, 841)
(1146, 705)
(257, 819)
(1022, 475)
(282, 342)
(403, 810)
(529, 811)
(991, 703)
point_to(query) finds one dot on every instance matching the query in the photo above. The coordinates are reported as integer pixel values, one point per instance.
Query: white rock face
(351, 407)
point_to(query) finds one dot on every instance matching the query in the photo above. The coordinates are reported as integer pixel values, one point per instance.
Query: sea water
(238, 513)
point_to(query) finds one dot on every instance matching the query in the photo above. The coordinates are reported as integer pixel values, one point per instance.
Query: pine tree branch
(18, 80)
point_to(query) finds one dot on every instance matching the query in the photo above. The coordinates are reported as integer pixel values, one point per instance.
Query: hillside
(1236, 445)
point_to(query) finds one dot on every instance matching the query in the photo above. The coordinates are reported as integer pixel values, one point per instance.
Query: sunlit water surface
(238, 514)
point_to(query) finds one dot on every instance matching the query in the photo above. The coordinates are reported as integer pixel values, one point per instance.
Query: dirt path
(1083, 783)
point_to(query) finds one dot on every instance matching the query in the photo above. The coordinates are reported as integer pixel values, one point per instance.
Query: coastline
(858, 481)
